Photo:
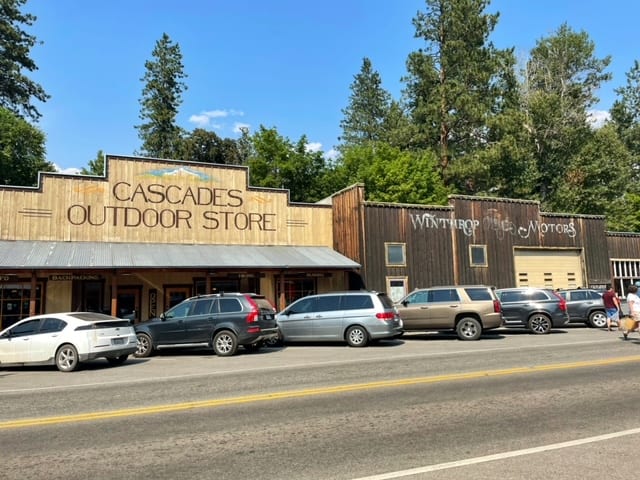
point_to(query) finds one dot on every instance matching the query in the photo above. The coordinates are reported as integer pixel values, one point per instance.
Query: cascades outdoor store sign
(178, 211)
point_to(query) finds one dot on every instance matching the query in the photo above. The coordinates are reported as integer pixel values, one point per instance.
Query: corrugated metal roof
(22, 254)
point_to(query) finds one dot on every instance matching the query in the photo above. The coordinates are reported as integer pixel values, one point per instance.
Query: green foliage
(393, 175)
(205, 146)
(562, 77)
(276, 162)
(16, 89)
(161, 98)
(625, 114)
(457, 82)
(597, 176)
(627, 219)
(96, 166)
(22, 151)
(366, 115)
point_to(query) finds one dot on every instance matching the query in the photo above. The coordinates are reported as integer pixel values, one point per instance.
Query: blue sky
(279, 63)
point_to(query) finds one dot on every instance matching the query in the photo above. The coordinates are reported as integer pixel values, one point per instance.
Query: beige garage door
(548, 268)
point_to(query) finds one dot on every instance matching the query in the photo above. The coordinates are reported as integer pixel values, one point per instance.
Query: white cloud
(203, 119)
(597, 118)
(199, 120)
(314, 147)
(67, 171)
(332, 154)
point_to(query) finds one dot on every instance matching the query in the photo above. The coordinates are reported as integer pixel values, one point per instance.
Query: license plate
(117, 341)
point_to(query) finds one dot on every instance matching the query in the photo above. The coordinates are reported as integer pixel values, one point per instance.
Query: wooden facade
(386, 247)
(160, 204)
(439, 242)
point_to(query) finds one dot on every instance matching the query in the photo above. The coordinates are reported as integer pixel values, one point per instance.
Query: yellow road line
(129, 412)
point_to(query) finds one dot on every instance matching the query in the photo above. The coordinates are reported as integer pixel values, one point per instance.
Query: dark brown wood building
(478, 240)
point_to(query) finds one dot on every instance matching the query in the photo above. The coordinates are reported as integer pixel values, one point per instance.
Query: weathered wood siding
(428, 253)
(438, 240)
(624, 246)
(348, 223)
(145, 200)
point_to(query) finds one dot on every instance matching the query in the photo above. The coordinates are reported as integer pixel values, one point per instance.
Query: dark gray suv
(585, 306)
(222, 321)
(537, 309)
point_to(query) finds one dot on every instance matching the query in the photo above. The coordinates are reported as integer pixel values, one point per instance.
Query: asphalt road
(512, 405)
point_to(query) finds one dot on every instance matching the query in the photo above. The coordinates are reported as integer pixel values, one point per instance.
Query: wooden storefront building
(479, 240)
(150, 233)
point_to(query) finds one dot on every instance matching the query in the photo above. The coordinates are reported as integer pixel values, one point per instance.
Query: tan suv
(466, 309)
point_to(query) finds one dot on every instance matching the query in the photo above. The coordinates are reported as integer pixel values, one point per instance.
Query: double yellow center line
(310, 392)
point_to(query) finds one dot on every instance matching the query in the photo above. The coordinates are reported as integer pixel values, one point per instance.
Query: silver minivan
(356, 317)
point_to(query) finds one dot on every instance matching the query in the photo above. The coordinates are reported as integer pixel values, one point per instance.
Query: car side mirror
(163, 317)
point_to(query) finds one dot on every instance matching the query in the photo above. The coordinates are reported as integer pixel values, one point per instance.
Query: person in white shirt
(633, 301)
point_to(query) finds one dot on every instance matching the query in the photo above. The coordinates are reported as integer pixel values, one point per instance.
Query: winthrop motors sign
(494, 223)
(146, 200)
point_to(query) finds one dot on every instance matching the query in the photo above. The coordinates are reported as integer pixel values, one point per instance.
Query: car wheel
(274, 341)
(145, 346)
(225, 343)
(115, 361)
(253, 347)
(67, 358)
(539, 323)
(469, 329)
(598, 319)
(357, 336)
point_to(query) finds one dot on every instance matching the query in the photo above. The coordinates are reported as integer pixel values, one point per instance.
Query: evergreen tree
(625, 114)
(456, 83)
(365, 118)
(96, 166)
(22, 151)
(161, 98)
(16, 90)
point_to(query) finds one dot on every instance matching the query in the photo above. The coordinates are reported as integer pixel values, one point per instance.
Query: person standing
(611, 306)
(633, 300)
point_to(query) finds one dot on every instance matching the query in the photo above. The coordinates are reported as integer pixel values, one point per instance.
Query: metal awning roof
(23, 254)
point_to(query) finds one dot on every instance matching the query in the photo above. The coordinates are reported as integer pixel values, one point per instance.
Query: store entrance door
(173, 295)
(129, 303)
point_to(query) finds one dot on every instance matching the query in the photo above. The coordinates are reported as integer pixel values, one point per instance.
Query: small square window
(395, 254)
(478, 255)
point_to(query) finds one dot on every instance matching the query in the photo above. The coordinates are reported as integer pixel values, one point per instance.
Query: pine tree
(457, 81)
(161, 98)
(16, 89)
(366, 116)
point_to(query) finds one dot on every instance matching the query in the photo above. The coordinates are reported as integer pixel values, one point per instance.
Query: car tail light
(254, 314)
(563, 302)
(497, 306)
(385, 316)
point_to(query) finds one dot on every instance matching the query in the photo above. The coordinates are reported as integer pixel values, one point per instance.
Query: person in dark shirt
(611, 306)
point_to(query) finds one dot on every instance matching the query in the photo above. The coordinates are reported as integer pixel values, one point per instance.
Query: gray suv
(221, 321)
(355, 317)
(537, 309)
(466, 309)
(585, 306)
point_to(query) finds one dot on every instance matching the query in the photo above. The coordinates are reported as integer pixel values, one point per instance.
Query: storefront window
(295, 288)
(14, 302)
